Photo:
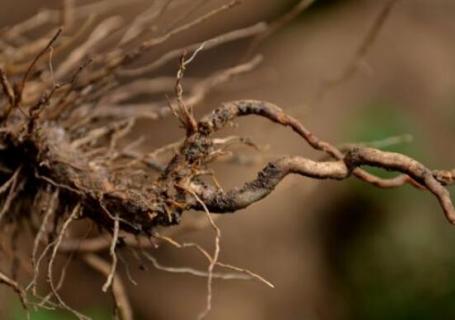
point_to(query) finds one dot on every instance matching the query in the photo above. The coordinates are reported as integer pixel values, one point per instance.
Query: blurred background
(334, 250)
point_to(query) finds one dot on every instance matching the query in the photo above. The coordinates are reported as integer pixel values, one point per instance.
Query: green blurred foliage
(379, 121)
(404, 269)
(449, 115)
(18, 313)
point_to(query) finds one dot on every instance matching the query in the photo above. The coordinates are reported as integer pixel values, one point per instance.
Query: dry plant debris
(63, 122)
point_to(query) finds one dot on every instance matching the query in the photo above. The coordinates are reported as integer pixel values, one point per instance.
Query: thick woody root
(346, 163)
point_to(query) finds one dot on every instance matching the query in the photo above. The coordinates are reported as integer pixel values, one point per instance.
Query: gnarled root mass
(50, 158)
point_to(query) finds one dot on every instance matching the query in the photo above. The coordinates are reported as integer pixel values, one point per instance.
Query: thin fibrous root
(74, 213)
(118, 288)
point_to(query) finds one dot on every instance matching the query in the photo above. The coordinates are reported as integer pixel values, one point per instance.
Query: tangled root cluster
(63, 154)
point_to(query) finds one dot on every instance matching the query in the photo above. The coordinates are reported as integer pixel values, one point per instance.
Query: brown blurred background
(334, 250)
